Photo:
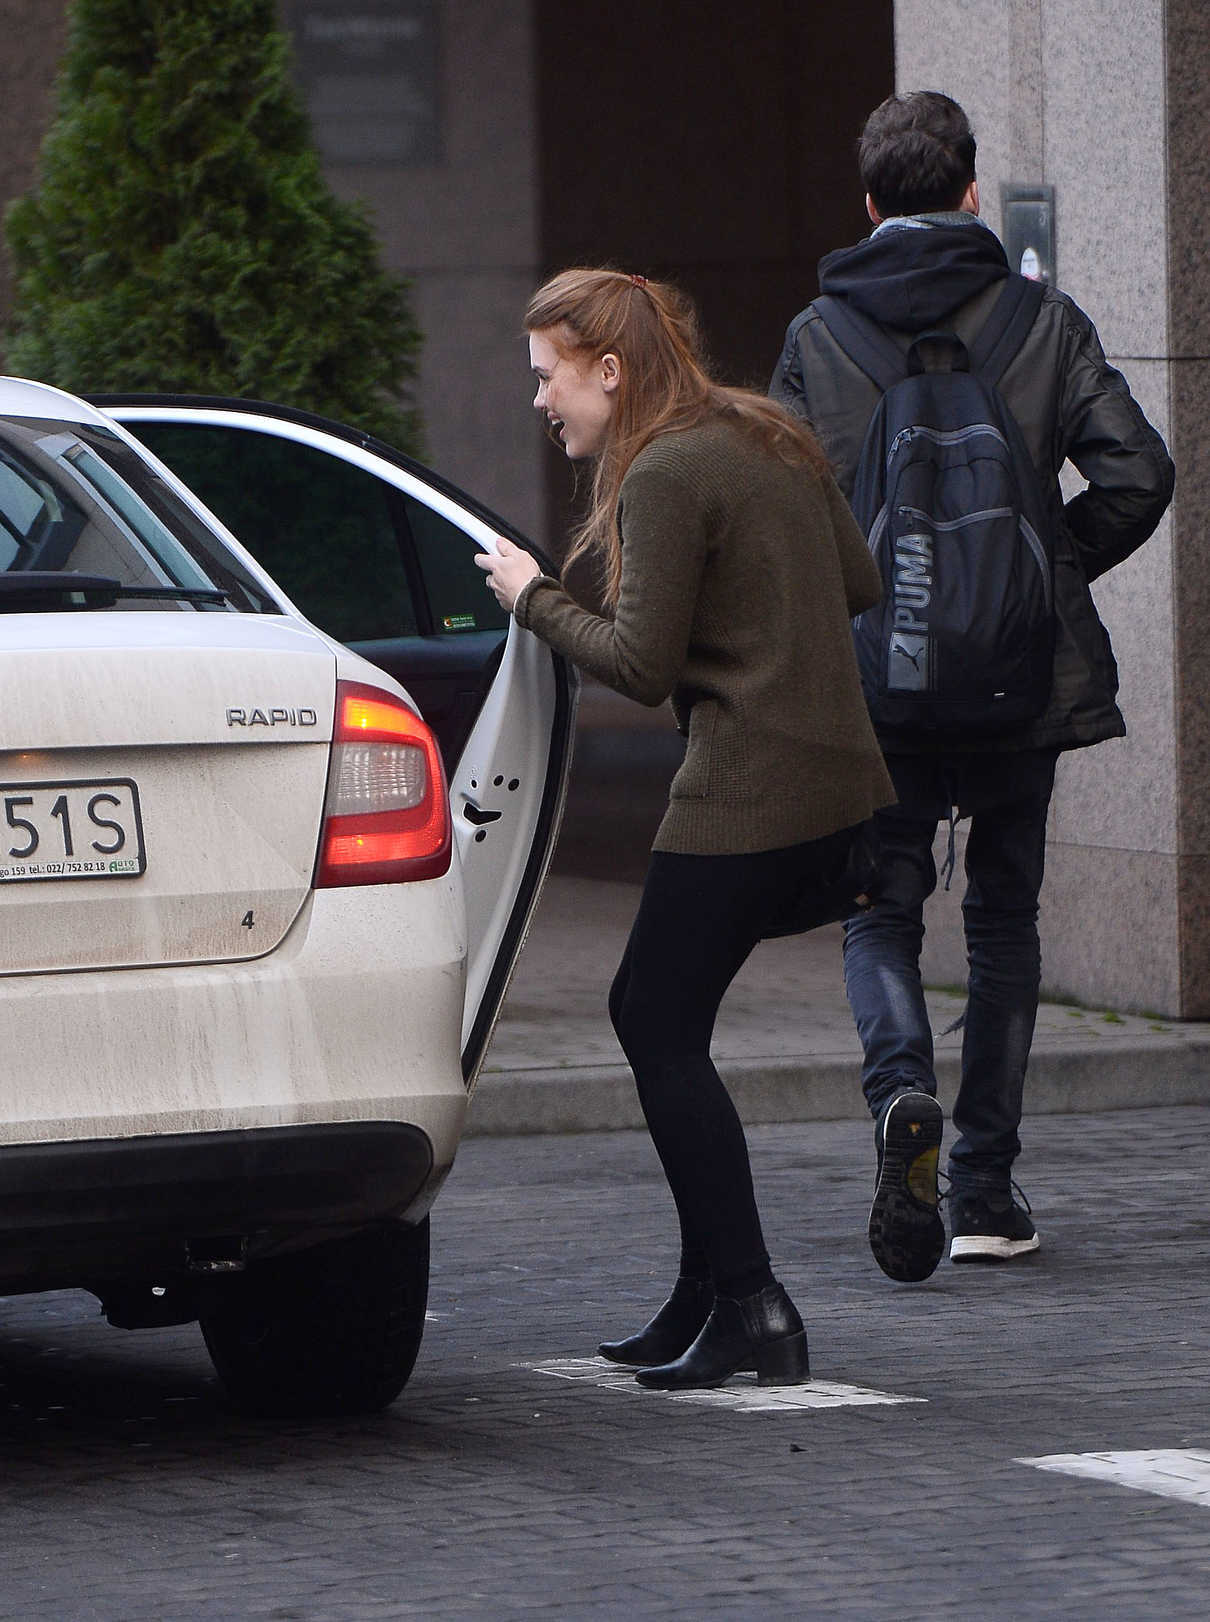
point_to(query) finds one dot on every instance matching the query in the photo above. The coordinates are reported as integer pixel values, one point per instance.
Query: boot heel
(783, 1362)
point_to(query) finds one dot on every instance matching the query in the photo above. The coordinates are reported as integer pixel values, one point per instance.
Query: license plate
(74, 830)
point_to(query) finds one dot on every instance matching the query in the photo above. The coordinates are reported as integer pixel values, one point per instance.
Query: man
(931, 264)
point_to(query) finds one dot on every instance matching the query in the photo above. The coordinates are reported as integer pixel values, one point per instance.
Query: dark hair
(665, 385)
(916, 154)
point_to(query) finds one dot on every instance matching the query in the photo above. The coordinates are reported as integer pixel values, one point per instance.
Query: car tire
(331, 1330)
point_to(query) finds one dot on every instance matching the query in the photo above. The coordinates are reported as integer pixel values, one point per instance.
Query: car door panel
(363, 539)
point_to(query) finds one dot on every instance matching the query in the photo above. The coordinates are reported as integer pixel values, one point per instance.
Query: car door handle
(473, 814)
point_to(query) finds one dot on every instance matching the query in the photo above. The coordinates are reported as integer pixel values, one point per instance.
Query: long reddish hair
(664, 386)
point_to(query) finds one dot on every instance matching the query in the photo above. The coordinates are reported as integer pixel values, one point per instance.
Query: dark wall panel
(712, 143)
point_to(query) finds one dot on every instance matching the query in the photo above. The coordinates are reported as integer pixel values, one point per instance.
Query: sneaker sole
(906, 1233)
(991, 1248)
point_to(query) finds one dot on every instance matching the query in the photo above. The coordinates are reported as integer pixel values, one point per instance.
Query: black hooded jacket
(1069, 402)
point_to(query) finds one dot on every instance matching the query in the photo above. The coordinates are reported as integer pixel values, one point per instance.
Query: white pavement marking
(1172, 1472)
(741, 1393)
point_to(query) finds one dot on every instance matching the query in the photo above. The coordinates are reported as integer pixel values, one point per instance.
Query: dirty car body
(259, 908)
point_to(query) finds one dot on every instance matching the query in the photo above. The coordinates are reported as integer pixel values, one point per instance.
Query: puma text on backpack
(962, 643)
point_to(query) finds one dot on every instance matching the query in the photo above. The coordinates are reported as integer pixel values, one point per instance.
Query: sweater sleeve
(862, 582)
(641, 651)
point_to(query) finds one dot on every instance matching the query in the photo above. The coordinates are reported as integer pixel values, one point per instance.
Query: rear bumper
(354, 1018)
(161, 1207)
(269, 1104)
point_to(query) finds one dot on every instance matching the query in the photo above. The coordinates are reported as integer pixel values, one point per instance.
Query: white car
(261, 894)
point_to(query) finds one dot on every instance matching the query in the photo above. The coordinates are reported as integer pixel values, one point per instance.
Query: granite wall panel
(1104, 65)
(476, 207)
(1110, 925)
(488, 438)
(1188, 126)
(1188, 114)
(465, 229)
(1191, 409)
(1108, 102)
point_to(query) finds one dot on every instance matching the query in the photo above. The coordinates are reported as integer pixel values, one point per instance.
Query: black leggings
(698, 920)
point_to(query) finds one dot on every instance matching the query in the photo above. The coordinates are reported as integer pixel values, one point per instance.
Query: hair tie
(637, 281)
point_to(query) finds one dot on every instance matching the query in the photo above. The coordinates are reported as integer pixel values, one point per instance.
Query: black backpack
(962, 643)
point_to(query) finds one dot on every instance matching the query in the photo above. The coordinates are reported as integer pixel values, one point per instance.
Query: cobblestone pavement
(493, 1489)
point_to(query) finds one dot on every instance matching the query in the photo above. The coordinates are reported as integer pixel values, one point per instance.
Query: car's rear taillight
(387, 816)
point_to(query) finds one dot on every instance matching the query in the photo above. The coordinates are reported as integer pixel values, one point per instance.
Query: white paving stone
(741, 1393)
(1171, 1472)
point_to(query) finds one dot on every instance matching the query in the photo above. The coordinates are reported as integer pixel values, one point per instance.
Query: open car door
(378, 552)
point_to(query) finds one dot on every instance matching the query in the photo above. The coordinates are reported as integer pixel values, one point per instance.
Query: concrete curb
(1064, 1078)
(785, 1043)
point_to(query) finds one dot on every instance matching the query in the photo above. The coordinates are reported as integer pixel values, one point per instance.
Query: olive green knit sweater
(740, 575)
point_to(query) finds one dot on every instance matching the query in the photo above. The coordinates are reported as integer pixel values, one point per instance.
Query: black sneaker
(989, 1228)
(906, 1232)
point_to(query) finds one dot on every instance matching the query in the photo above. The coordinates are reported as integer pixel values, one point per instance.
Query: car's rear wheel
(330, 1330)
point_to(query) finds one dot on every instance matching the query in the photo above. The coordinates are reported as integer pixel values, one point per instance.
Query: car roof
(22, 397)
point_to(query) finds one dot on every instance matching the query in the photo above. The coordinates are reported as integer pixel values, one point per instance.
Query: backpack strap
(863, 341)
(1006, 328)
(885, 364)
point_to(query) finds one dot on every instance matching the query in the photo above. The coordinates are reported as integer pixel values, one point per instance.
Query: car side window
(457, 591)
(327, 532)
(22, 506)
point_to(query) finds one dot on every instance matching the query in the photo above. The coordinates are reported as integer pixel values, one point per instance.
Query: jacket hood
(911, 278)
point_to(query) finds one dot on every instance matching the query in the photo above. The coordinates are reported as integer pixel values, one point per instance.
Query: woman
(731, 570)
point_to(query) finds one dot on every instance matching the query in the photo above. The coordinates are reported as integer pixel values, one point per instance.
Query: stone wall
(1108, 104)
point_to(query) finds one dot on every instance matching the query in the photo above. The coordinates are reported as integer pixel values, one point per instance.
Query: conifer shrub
(181, 236)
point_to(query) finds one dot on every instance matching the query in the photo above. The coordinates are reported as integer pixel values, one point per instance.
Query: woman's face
(577, 401)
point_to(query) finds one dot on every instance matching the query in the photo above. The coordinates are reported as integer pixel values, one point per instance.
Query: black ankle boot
(675, 1326)
(762, 1332)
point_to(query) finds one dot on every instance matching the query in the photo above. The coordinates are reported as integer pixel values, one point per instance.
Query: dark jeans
(1006, 797)
(698, 920)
